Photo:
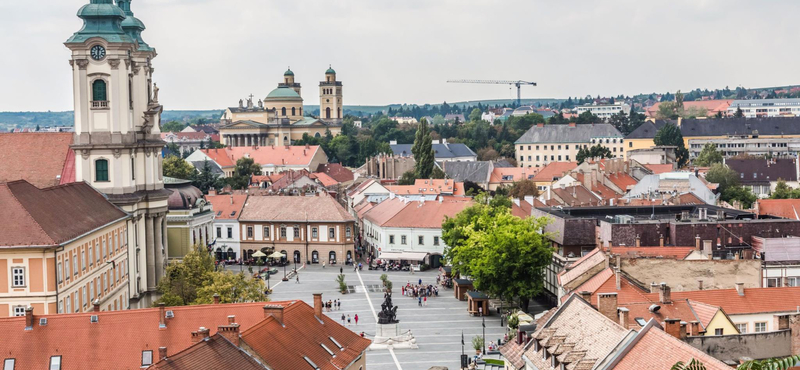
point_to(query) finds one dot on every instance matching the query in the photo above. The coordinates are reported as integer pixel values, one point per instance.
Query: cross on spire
(251, 96)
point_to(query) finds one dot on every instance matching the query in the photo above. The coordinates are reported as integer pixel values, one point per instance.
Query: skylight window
(327, 350)
(641, 321)
(336, 343)
(313, 365)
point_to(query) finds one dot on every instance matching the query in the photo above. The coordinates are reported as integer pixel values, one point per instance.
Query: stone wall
(683, 275)
(755, 345)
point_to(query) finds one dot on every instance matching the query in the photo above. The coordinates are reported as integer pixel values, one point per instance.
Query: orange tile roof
(517, 174)
(284, 346)
(655, 349)
(296, 155)
(336, 171)
(665, 252)
(554, 169)
(428, 187)
(659, 168)
(579, 267)
(622, 180)
(426, 214)
(325, 180)
(523, 210)
(294, 208)
(227, 206)
(216, 352)
(628, 292)
(711, 106)
(754, 300)
(38, 157)
(786, 208)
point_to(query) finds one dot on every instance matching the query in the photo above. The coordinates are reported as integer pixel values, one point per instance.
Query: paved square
(437, 327)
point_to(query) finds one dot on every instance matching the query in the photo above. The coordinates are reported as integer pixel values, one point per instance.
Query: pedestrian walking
(297, 278)
(341, 271)
(348, 320)
(420, 281)
(323, 264)
(356, 318)
(339, 305)
(425, 299)
(420, 301)
(342, 319)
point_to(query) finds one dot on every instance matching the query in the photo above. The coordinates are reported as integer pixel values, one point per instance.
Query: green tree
(671, 135)
(782, 191)
(178, 168)
(193, 280)
(437, 173)
(739, 113)
(423, 151)
(523, 188)
(504, 255)
(708, 156)
(173, 126)
(587, 117)
(205, 179)
(598, 152)
(408, 178)
(438, 120)
(782, 363)
(729, 187)
(174, 148)
(475, 115)
(244, 170)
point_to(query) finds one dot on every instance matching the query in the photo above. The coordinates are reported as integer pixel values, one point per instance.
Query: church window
(130, 93)
(99, 90)
(133, 168)
(101, 170)
(293, 111)
(283, 111)
(301, 111)
(328, 113)
(316, 135)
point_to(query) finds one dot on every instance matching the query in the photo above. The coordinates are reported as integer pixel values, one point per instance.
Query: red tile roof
(659, 168)
(786, 208)
(516, 173)
(622, 180)
(554, 169)
(754, 300)
(655, 349)
(263, 155)
(628, 292)
(41, 158)
(336, 171)
(711, 106)
(325, 180)
(579, 267)
(216, 352)
(227, 206)
(51, 216)
(290, 208)
(426, 214)
(523, 210)
(430, 187)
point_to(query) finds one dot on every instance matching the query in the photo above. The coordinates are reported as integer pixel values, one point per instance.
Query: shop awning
(403, 256)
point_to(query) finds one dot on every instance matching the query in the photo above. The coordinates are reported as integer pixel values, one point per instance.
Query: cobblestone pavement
(437, 327)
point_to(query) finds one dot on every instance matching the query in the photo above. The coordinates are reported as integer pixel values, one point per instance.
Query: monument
(387, 330)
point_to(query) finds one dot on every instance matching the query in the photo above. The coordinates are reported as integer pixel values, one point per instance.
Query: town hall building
(278, 119)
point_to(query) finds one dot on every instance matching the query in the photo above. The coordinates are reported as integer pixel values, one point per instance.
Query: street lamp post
(483, 323)
(284, 272)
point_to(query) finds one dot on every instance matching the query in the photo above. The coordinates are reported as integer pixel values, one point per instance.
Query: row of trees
(205, 179)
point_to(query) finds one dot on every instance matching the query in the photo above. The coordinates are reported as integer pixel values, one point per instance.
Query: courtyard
(437, 326)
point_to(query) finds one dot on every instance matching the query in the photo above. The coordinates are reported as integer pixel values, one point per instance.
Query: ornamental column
(159, 247)
(150, 252)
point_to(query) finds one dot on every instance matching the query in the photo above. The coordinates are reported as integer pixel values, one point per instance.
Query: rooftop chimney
(699, 284)
(607, 305)
(624, 315)
(673, 327)
(617, 278)
(230, 332)
(161, 316)
(231, 319)
(740, 288)
(586, 295)
(162, 353)
(96, 305)
(29, 318)
(318, 305)
(694, 328)
(216, 298)
(638, 241)
(664, 293)
(199, 335)
(697, 243)
(654, 287)
(275, 311)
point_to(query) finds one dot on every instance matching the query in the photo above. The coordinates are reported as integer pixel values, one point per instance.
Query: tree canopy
(244, 170)
(598, 151)
(671, 135)
(173, 126)
(708, 156)
(729, 187)
(178, 168)
(423, 151)
(503, 254)
(523, 188)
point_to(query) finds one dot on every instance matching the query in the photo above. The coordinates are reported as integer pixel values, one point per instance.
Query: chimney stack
(664, 294)
(216, 298)
(699, 284)
(682, 330)
(162, 353)
(161, 316)
(607, 305)
(275, 311)
(96, 305)
(29, 318)
(199, 335)
(231, 319)
(230, 332)
(673, 327)
(694, 328)
(318, 305)
(740, 288)
(617, 278)
(653, 287)
(638, 241)
(520, 336)
(624, 315)
(586, 295)
(697, 243)
(661, 240)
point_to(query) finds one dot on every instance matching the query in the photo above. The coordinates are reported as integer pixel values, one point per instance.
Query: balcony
(99, 104)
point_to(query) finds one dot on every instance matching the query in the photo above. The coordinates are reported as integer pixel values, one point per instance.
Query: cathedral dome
(132, 25)
(283, 93)
(288, 73)
(330, 71)
(183, 194)
(101, 18)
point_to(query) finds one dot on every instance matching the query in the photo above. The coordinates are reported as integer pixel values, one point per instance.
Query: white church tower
(117, 140)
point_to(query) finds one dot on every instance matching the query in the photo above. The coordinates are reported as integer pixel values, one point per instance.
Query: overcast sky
(213, 52)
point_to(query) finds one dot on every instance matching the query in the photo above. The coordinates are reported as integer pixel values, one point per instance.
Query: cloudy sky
(213, 52)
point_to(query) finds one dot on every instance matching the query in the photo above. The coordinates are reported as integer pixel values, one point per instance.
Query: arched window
(338, 112)
(317, 134)
(285, 140)
(314, 257)
(283, 111)
(293, 111)
(332, 257)
(328, 112)
(296, 256)
(101, 170)
(301, 111)
(99, 90)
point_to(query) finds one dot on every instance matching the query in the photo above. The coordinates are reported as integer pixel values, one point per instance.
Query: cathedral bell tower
(330, 98)
(117, 141)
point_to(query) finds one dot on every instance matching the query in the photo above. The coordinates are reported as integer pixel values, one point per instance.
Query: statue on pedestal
(388, 314)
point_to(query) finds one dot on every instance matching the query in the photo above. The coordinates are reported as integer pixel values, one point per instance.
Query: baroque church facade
(117, 141)
(279, 119)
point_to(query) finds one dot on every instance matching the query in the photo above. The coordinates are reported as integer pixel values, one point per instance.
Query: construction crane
(517, 83)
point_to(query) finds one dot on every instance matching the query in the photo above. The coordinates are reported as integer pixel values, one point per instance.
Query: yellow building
(190, 218)
(63, 249)
(278, 119)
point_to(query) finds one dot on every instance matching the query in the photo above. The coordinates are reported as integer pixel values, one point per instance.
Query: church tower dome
(101, 18)
(132, 25)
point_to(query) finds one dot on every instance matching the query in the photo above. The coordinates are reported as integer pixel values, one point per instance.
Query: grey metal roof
(477, 172)
(763, 171)
(724, 127)
(439, 150)
(787, 102)
(215, 169)
(568, 134)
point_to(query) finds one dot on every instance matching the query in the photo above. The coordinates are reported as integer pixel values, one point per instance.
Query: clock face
(98, 52)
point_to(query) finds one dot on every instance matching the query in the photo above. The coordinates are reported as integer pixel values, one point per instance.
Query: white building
(227, 208)
(400, 225)
(605, 111)
(766, 107)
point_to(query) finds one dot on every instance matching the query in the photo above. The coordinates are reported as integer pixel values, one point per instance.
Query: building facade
(766, 107)
(273, 159)
(190, 219)
(543, 144)
(279, 118)
(305, 229)
(117, 141)
(227, 209)
(604, 111)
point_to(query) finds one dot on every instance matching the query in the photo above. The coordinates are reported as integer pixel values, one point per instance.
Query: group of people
(335, 304)
(420, 292)
(348, 320)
